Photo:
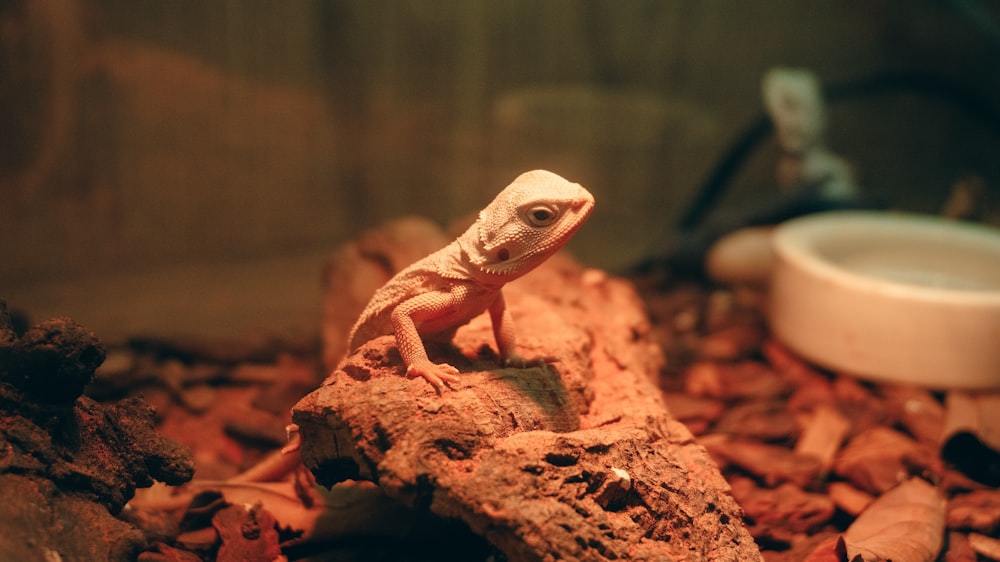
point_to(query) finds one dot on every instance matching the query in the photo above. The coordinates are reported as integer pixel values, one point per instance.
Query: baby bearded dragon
(529, 220)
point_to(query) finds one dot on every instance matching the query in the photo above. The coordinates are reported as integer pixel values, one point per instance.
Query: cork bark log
(578, 459)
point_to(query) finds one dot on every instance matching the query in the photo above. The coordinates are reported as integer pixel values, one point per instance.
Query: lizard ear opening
(503, 254)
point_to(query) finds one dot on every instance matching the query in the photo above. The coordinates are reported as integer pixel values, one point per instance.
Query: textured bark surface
(578, 459)
(69, 462)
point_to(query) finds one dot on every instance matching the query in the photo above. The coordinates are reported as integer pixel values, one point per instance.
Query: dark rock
(70, 463)
(53, 362)
(40, 522)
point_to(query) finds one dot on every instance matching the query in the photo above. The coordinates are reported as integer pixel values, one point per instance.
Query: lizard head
(531, 219)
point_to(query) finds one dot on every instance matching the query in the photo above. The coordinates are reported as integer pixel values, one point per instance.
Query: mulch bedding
(818, 459)
(825, 465)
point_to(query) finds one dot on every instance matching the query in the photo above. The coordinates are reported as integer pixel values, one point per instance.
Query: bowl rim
(795, 242)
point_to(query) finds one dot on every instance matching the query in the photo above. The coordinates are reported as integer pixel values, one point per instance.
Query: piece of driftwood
(848, 498)
(578, 459)
(823, 432)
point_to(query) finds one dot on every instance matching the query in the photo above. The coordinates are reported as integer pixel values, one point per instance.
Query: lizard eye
(541, 215)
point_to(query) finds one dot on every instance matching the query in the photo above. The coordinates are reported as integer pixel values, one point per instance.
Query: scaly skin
(531, 219)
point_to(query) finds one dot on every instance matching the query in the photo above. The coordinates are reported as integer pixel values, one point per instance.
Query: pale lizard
(529, 220)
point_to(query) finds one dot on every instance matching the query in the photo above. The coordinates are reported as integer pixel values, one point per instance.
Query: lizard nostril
(503, 254)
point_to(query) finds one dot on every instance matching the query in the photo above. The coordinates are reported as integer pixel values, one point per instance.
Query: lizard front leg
(503, 329)
(504, 333)
(423, 307)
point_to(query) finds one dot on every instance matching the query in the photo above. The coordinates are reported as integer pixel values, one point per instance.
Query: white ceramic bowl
(894, 297)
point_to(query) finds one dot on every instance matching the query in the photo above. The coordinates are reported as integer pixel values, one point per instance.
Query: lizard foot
(437, 375)
(519, 362)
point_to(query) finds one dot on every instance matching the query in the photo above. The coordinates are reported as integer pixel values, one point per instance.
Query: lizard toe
(448, 371)
(437, 375)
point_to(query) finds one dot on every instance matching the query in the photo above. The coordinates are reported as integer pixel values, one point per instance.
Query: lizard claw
(437, 375)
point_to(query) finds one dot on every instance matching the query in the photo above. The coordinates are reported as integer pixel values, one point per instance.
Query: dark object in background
(685, 256)
(970, 441)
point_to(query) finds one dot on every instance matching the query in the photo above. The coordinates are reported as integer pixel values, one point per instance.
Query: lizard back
(419, 277)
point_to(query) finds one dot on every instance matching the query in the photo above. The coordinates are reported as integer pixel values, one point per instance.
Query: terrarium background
(188, 165)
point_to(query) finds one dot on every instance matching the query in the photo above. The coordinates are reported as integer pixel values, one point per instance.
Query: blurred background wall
(137, 136)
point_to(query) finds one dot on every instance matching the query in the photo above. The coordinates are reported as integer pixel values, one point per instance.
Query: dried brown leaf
(279, 499)
(959, 549)
(830, 550)
(771, 463)
(782, 512)
(985, 546)
(760, 420)
(917, 410)
(906, 524)
(978, 511)
(874, 461)
(248, 534)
